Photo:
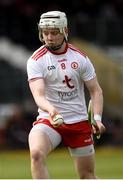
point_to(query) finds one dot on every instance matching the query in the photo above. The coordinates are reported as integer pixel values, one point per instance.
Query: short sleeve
(88, 70)
(33, 69)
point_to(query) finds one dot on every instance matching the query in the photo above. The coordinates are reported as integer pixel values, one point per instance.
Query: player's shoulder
(40, 52)
(77, 50)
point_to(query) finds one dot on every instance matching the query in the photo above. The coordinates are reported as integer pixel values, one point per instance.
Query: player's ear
(40, 36)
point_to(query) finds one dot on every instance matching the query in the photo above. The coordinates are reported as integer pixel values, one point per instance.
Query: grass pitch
(16, 164)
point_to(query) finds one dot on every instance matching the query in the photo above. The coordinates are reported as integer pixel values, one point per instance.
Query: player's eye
(45, 33)
(54, 33)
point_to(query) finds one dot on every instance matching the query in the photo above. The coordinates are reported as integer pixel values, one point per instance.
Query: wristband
(97, 117)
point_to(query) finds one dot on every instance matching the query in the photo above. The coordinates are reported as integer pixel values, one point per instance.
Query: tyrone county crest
(74, 65)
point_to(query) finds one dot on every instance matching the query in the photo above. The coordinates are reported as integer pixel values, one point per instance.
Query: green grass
(109, 163)
(16, 164)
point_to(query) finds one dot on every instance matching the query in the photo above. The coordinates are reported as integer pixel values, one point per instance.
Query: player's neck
(62, 49)
(58, 48)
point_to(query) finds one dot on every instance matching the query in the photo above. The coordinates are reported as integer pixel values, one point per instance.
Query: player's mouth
(51, 44)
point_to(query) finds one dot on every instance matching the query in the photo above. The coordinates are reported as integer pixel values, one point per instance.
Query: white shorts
(56, 139)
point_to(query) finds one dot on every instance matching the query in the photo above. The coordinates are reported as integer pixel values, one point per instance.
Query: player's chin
(51, 44)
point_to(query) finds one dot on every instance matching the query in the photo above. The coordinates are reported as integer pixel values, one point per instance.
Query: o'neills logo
(62, 60)
(74, 65)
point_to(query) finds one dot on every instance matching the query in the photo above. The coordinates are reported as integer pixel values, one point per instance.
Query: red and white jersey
(64, 76)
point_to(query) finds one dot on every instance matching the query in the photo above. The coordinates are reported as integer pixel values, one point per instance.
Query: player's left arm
(96, 95)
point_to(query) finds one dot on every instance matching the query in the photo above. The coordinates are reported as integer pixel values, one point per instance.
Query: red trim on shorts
(73, 135)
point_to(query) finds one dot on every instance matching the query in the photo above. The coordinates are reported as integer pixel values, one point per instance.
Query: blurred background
(95, 27)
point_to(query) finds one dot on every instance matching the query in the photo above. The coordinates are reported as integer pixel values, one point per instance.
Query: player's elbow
(97, 91)
(100, 91)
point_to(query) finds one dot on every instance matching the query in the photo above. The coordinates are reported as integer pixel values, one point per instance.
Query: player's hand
(98, 128)
(57, 121)
(55, 118)
(52, 113)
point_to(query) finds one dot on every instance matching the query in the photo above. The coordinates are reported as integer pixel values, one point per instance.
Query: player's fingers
(98, 130)
(53, 113)
(102, 129)
(95, 129)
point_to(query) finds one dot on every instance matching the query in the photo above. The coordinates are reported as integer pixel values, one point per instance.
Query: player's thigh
(84, 158)
(38, 140)
(85, 163)
(43, 138)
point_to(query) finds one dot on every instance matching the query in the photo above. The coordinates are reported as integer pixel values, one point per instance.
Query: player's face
(52, 37)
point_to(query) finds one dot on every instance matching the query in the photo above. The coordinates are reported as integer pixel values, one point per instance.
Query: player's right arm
(37, 88)
(35, 70)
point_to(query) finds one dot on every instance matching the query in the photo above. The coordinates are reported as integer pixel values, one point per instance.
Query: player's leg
(85, 167)
(42, 140)
(84, 159)
(40, 145)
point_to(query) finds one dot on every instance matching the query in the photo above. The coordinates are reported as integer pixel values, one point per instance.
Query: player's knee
(37, 155)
